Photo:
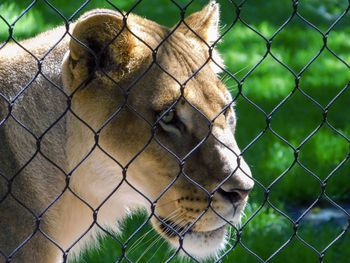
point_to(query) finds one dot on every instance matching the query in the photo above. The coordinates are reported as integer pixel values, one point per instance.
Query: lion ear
(101, 44)
(204, 23)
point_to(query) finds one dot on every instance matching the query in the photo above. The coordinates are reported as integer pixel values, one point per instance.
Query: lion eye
(171, 123)
(168, 117)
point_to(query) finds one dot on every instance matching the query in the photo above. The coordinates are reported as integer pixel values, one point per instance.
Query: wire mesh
(10, 104)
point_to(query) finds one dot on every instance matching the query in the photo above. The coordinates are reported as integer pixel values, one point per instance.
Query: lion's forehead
(208, 97)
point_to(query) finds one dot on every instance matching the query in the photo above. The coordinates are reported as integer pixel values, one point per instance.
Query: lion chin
(199, 245)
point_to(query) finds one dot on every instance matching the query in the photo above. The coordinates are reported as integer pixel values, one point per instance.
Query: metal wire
(237, 10)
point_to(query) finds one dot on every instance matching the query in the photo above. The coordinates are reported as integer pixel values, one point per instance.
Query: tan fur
(98, 64)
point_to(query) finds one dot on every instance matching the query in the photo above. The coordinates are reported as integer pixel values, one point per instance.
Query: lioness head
(165, 117)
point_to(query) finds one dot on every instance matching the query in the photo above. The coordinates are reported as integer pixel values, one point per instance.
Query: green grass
(266, 86)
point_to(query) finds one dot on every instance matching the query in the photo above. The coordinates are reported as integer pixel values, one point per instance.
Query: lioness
(115, 114)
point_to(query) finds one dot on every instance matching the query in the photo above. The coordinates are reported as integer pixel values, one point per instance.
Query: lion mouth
(198, 244)
(172, 230)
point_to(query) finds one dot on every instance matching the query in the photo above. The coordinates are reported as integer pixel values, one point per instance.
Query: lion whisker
(177, 224)
(155, 252)
(150, 246)
(239, 71)
(135, 245)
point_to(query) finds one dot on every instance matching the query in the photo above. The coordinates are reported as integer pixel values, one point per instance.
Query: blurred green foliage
(270, 157)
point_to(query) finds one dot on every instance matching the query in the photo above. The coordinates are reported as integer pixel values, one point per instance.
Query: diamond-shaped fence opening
(119, 137)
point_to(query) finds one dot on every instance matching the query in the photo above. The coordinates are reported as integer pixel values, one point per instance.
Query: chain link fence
(32, 88)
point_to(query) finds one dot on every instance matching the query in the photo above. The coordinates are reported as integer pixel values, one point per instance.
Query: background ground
(266, 86)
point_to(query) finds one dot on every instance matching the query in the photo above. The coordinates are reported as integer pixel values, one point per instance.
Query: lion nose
(235, 196)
